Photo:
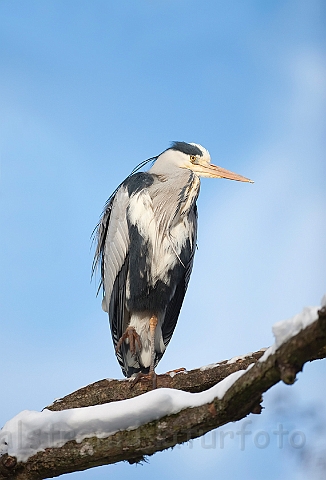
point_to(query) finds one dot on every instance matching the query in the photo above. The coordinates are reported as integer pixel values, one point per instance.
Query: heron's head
(192, 156)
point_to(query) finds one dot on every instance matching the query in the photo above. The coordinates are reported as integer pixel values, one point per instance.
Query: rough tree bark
(244, 397)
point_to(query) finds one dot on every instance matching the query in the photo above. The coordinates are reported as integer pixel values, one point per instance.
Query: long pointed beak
(214, 171)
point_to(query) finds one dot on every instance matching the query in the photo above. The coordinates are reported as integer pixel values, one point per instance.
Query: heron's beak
(213, 171)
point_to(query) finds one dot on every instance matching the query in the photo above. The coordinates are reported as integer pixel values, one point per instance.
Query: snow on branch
(92, 427)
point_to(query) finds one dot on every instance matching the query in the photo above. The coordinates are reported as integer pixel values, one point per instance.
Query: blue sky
(90, 89)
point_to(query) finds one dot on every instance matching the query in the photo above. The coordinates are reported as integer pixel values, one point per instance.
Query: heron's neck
(179, 190)
(171, 173)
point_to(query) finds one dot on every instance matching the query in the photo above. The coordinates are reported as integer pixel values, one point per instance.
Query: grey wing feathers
(99, 236)
(112, 240)
(112, 256)
(100, 231)
(116, 245)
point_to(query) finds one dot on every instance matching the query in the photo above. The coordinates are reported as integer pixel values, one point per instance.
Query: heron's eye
(193, 158)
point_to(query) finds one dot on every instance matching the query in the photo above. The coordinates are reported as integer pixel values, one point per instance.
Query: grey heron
(146, 241)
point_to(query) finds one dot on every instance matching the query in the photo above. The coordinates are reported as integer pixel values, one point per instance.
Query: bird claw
(147, 376)
(177, 370)
(134, 340)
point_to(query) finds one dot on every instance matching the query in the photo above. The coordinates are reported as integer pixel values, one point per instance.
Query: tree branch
(242, 398)
(198, 380)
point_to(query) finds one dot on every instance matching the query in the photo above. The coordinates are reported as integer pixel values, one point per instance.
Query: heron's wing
(116, 243)
(112, 256)
(180, 277)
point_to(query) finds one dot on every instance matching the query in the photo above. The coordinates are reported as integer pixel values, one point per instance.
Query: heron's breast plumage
(157, 240)
(159, 213)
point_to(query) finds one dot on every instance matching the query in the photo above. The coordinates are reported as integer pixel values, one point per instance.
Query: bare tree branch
(242, 398)
(197, 380)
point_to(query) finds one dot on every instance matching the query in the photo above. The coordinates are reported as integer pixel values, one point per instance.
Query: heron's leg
(133, 337)
(151, 375)
(152, 327)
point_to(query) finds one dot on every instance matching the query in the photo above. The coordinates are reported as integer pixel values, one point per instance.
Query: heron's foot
(151, 377)
(133, 338)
